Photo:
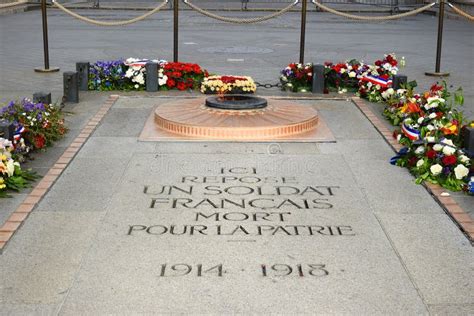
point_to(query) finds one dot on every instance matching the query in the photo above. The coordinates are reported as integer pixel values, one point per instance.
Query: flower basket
(228, 85)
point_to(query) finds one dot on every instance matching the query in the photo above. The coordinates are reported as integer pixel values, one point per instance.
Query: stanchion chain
(372, 18)
(115, 23)
(461, 12)
(267, 85)
(240, 21)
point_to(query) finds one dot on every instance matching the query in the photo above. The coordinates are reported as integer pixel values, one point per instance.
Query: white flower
(136, 86)
(433, 102)
(162, 81)
(352, 74)
(460, 171)
(401, 91)
(420, 120)
(448, 142)
(343, 70)
(464, 159)
(438, 147)
(420, 163)
(419, 150)
(129, 73)
(436, 169)
(10, 167)
(448, 151)
(378, 87)
(432, 115)
(430, 127)
(369, 84)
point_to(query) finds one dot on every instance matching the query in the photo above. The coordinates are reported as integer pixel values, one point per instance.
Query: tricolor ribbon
(17, 134)
(385, 83)
(410, 132)
(399, 155)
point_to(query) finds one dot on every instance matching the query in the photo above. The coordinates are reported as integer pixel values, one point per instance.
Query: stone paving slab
(100, 241)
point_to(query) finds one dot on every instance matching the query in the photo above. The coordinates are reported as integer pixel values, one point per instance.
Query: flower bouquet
(12, 177)
(343, 77)
(297, 77)
(377, 78)
(130, 74)
(430, 132)
(37, 125)
(180, 76)
(228, 84)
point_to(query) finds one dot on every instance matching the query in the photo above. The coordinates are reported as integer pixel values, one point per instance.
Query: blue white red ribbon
(385, 83)
(399, 155)
(17, 134)
(138, 63)
(410, 132)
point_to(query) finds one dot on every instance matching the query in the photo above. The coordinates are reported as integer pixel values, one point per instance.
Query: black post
(318, 79)
(151, 77)
(399, 81)
(71, 86)
(175, 30)
(44, 16)
(469, 141)
(7, 129)
(303, 29)
(42, 97)
(437, 71)
(82, 69)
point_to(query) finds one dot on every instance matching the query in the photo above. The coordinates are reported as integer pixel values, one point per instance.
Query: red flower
(39, 141)
(412, 161)
(170, 83)
(449, 160)
(181, 86)
(431, 154)
(435, 88)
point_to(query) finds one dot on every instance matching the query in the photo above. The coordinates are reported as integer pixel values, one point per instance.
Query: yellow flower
(2, 183)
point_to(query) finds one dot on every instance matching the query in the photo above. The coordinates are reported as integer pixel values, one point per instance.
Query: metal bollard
(83, 70)
(399, 81)
(7, 129)
(42, 97)
(151, 77)
(469, 141)
(71, 86)
(318, 79)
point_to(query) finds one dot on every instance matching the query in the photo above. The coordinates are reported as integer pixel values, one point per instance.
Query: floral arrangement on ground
(297, 77)
(36, 126)
(428, 124)
(130, 74)
(12, 177)
(431, 129)
(228, 84)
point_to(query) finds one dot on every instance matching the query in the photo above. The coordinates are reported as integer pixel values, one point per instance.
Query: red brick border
(18, 217)
(453, 209)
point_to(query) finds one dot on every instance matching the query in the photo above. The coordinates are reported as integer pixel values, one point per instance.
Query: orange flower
(450, 129)
(413, 108)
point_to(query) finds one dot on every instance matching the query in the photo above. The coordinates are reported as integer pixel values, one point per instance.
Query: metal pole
(44, 17)
(437, 71)
(303, 29)
(175, 30)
